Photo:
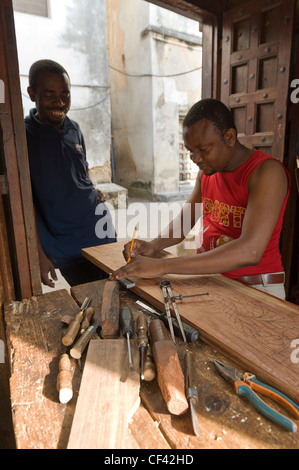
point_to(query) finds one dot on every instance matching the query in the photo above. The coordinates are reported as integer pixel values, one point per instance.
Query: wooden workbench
(34, 330)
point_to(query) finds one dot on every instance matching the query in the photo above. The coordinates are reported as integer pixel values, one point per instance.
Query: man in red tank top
(243, 193)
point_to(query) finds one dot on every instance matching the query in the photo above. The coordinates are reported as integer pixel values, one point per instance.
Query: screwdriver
(126, 327)
(142, 340)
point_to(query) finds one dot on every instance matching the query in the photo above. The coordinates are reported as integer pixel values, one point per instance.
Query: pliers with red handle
(246, 384)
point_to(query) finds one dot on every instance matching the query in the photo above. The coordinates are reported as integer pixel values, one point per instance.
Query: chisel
(126, 326)
(74, 327)
(190, 389)
(149, 365)
(64, 384)
(80, 345)
(64, 379)
(142, 340)
(88, 316)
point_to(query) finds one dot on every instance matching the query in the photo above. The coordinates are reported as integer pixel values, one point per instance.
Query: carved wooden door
(256, 56)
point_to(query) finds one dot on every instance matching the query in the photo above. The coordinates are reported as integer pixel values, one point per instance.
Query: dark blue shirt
(69, 216)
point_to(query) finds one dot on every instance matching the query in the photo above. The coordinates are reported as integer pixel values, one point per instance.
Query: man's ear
(230, 137)
(31, 93)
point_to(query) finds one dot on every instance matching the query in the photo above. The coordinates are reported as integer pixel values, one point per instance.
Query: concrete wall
(74, 35)
(152, 47)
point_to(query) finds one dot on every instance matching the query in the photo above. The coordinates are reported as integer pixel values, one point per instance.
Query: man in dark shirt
(70, 215)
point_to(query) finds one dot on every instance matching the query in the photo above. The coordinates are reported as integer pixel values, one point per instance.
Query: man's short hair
(41, 65)
(213, 110)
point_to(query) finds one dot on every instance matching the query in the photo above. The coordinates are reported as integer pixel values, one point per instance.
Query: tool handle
(149, 365)
(169, 372)
(158, 331)
(192, 335)
(64, 379)
(189, 366)
(126, 321)
(244, 390)
(80, 345)
(72, 330)
(141, 329)
(271, 392)
(88, 315)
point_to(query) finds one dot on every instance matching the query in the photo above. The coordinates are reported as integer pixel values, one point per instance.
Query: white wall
(145, 109)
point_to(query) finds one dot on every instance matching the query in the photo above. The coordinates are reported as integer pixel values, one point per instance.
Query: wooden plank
(34, 332)
(5, 262)
(18, 123)
(108, 397)
(248, 326)
(144, 429)
(16, 163)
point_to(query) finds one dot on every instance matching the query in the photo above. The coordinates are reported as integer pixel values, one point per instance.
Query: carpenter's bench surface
(34, 331)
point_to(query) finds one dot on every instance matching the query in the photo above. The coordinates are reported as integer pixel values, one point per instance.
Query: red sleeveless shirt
(225, 198)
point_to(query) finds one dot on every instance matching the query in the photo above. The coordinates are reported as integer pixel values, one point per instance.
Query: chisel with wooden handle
(169, 372)
(149, 365)
(74, 327)
(191, 390)
(88, 316)
(78, 348)
(142, 341)
(64, 379)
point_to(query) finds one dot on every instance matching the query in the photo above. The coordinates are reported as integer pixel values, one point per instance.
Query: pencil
(132, 243)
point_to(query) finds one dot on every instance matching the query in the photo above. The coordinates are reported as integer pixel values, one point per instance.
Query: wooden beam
(27, 282)
(5, 262)
(194, 9)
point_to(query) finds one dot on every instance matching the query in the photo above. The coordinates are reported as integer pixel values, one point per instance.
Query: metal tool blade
(167, 310)
(84, 339)
(192, 335)
(85, 304)
(228, 372)
(190, 389)
(148, 309)
(177, 313)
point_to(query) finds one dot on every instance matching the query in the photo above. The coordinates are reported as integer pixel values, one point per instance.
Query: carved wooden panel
(247, 325)
(256, 58)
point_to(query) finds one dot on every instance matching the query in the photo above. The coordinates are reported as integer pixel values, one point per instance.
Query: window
(33, 7)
